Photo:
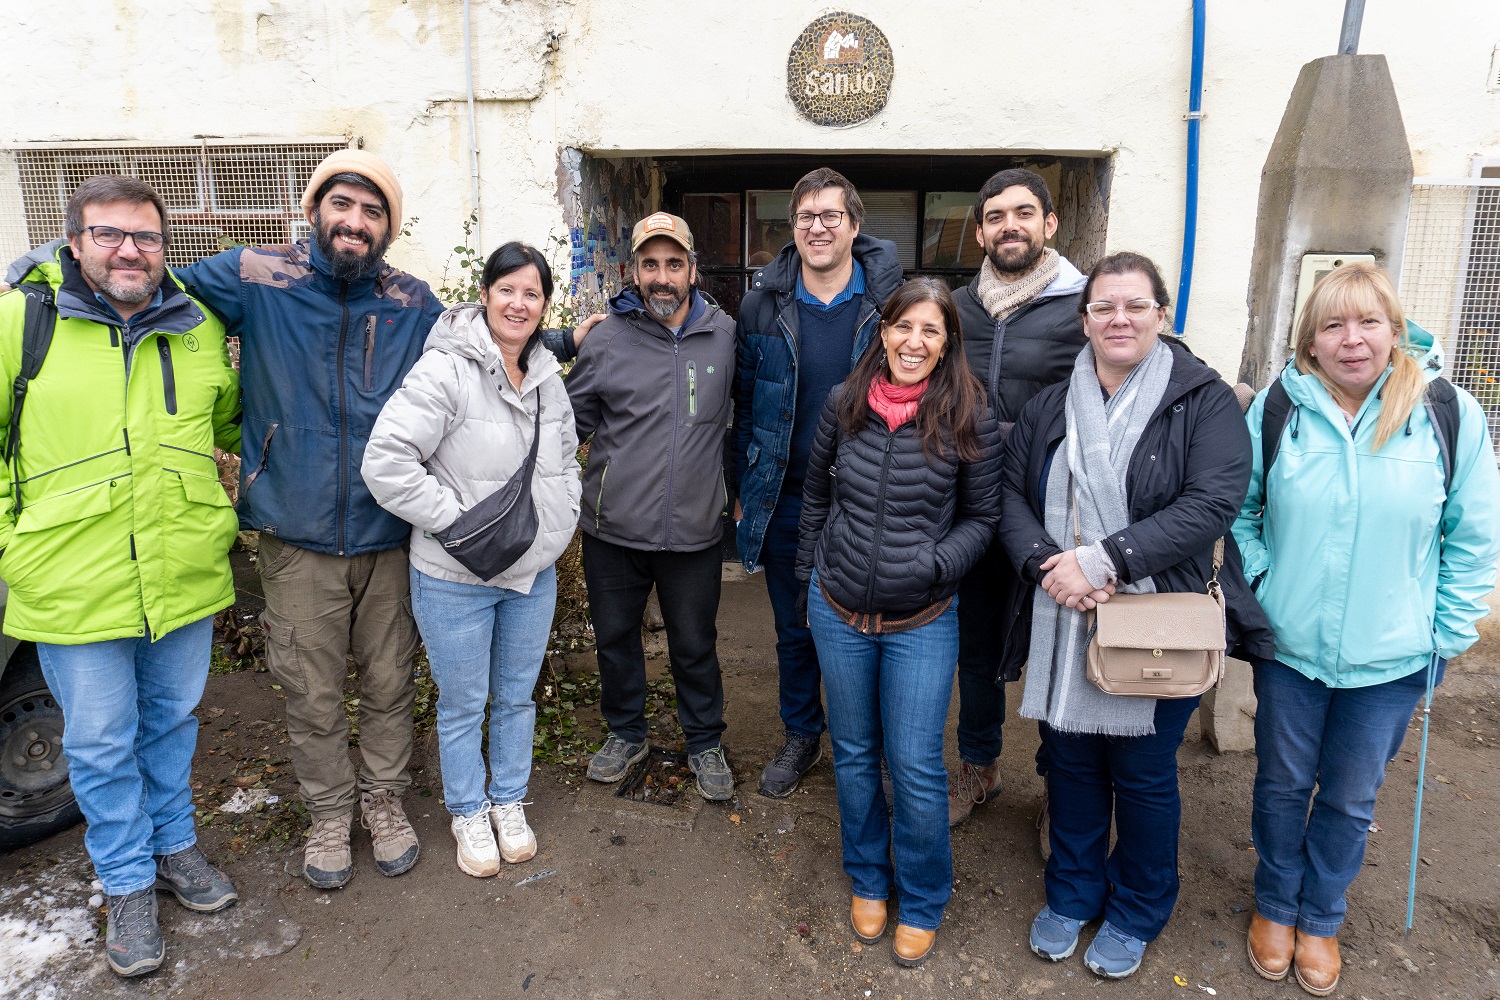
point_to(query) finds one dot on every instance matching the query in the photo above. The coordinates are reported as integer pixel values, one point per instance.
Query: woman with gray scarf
(1144, 454)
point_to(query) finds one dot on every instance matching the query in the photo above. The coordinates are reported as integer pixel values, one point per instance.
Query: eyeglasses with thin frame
(1103, 312)
(830, 219)
(109, 237)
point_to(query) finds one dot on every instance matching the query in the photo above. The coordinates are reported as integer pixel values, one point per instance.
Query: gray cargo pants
(319, 609)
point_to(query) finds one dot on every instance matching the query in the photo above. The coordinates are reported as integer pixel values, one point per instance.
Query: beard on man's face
(1016, 257)
(349, 265)
(664, 300)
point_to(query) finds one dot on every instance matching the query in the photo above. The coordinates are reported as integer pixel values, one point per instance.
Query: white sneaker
(477, 853)
(517, 842)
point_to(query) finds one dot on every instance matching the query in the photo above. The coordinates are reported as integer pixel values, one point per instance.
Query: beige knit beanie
(356, 161)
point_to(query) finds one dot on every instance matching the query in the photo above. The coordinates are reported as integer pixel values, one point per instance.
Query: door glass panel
(714, 220)
(770, 226)
(948, 236)
(726, 288)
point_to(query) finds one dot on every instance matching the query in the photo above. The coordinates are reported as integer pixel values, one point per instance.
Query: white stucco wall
(710, 77)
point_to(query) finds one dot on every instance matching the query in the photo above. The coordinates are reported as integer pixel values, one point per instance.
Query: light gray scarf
(1101, 435)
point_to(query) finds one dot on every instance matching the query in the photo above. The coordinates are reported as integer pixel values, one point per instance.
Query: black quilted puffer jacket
(889, 528)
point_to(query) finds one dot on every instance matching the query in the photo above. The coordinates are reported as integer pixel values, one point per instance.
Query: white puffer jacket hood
(457, 430)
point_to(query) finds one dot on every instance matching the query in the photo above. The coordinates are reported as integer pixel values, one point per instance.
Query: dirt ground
(746, 898)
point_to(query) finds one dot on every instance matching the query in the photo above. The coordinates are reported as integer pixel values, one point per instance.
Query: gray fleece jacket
(656, 409)
(457, 430)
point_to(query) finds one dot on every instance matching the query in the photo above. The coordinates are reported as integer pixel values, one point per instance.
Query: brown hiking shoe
(325, 860)
(395, 841)
(971, 787)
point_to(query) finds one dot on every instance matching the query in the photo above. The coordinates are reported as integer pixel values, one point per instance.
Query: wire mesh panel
(218, 193)
(1450, 280)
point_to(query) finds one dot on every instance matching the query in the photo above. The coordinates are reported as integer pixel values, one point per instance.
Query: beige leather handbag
(1159, 645)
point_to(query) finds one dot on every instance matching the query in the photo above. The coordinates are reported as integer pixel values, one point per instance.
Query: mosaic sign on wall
(839, 71)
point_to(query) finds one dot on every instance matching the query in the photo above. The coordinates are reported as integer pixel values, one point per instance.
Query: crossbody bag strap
(536, 436)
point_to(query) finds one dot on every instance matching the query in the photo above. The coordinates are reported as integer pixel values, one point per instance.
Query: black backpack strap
(1441, 400)
(1272, 422)
(36, 340)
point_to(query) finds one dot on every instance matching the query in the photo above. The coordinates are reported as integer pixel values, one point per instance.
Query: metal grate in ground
(662, 779)
(1450, 280)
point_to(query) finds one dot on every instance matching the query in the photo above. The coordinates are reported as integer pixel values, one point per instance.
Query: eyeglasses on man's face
(1103, 312)
(830, 219)
(109, 237)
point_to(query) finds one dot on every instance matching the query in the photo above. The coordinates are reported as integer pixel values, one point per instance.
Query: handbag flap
(1160, 621)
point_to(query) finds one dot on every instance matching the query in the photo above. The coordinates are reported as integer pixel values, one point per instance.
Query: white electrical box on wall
(1316, 267)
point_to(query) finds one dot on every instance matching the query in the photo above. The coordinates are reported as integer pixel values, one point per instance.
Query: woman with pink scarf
(902, 497)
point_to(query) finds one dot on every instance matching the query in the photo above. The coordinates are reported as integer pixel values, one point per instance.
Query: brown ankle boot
(867, 917)
(911, 946)
(1317, 963)
(1271, 946)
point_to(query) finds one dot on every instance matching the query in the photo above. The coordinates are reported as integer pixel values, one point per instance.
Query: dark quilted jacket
(889, 528)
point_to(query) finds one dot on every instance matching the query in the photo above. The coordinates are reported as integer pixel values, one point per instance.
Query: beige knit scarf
(1001, 297)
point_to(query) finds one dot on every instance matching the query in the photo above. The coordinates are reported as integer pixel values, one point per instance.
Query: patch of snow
(33, 935)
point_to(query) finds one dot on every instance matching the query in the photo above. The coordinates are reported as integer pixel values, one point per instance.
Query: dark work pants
(619, 581)
(982, 598)
(801, 680)
(1132, 780)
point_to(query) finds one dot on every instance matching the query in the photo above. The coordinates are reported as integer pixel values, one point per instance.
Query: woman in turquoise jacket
(1369, 570)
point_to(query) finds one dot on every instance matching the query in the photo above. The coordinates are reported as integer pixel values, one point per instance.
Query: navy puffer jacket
(890, 528)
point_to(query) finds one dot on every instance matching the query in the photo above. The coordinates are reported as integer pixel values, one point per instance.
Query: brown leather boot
(1270, 946)
(911, 946)
(1317, 963)
(867, 917)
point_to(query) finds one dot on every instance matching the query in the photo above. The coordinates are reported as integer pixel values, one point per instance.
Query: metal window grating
(218, 193)
(1450, 280)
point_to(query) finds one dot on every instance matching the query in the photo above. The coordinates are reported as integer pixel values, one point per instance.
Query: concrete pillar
(1227, 713)
(1337, 179)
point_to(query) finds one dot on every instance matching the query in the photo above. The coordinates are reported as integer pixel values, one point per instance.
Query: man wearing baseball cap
(327, 332)
(651, 388)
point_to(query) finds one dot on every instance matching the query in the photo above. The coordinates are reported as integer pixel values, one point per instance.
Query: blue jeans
(1339, 739)
(796, 654)
(1092, 779)
(129, 735)
(890, 693)
(484, 644)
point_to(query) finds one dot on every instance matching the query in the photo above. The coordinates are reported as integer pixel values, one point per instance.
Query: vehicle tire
(35, 797)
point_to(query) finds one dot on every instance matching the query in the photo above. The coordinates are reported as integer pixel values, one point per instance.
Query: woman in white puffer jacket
(457, 430)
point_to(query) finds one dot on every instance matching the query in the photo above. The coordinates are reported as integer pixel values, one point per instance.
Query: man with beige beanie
(328, 331)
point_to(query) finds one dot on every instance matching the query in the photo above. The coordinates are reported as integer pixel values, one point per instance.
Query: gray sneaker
(132, 939)
(197, 884)
(715, 779)
(391, 834)
(615, 758)
(326, 863)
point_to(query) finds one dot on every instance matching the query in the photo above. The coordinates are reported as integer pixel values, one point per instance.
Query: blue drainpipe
(1190, 213)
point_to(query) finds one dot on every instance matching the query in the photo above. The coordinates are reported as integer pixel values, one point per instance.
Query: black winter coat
(889, 528)
(1021, 355)
(1186, 482)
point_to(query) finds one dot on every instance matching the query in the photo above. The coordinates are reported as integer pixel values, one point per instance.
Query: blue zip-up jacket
(1364, 566)
(766, 338)
(318, 359)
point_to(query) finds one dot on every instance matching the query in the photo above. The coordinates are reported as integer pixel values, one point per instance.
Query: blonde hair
(1360, 288)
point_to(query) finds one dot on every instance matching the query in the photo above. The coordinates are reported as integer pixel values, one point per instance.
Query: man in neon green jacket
(116, 536)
